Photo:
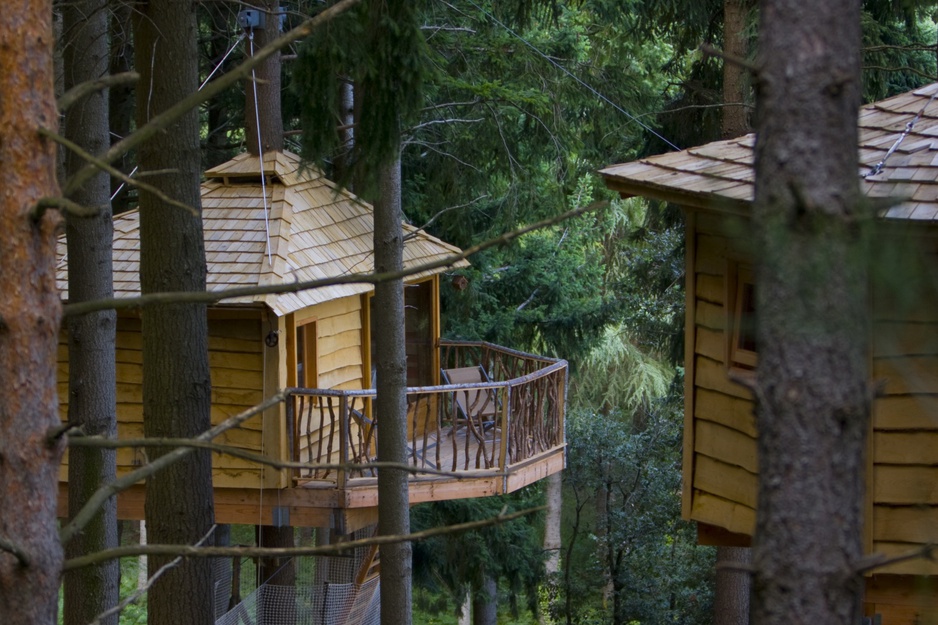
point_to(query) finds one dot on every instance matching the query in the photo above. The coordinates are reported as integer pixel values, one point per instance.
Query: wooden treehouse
(494, 425)
(714, 184)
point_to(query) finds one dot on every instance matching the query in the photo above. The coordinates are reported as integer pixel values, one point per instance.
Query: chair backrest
(473, 402)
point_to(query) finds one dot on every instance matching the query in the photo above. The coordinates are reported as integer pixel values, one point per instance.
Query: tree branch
(732, 59)
(878, 560)
(189, 551)
(62, 204)
(112, 443)
(84, 516)
(132, 598)
(77, 149)
(6, 545)
(85, 89)
(174, 113)
(213, 297)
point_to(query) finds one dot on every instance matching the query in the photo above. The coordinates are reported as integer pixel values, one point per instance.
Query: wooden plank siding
(905, 428)
(236, 360)
(722, 471)
(339, 365)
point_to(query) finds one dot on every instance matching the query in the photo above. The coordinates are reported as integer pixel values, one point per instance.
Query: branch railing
(450, 428)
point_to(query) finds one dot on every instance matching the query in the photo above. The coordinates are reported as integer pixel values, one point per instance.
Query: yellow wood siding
(905, 426)
(724, 469)
(904, 444)
(339, 365)
(236, 360)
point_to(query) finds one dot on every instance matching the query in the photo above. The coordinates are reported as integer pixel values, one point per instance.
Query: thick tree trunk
(485, 603)
(30, 553)
(391, 404)
(732, 588)
(812, 385)
(735, 80)
(277, 572)
(552, 542)
(267, 114)
(176, 385)
(92, 403)
(121, 97)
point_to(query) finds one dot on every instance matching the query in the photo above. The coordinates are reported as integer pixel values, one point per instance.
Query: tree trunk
(391, 402)
(92, 403)
(735, 78)
(121, 97)
(262, 107)
(176, 385)
(812, 384)
(278, 572)
(218, 148)
(485, 603)
(29, 320)
(731, 591)
(552, 542)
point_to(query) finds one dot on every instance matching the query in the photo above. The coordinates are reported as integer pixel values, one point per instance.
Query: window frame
(739, 308)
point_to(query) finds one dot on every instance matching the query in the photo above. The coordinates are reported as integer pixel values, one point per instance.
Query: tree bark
(732, 587)
(552, 542)
(485, 602)
(92, 402)
(176, 385)
(266, 86)
(812, 381)
(735, 80)
(391, 403)
(30, 555)
(121, 97)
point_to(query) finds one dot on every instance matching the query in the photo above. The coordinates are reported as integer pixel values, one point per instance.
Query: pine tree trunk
(552, 542)
(391, 404)
(176, 385)
(265, 88)
(732, 587)
(735, 80)
(29, 320)
(812, 385)
(485, 603)
(92, 403)
(121, 97)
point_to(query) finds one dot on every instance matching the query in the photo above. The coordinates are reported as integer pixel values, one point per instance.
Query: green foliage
(623, 525)
(898, 50)
(380, 48)
(457, 563)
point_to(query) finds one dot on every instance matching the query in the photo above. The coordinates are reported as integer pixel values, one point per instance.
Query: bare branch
(152, 580)
(77, 149)
(6, 545)
(112, 443)
(84, 516)
(445, 210)
(85, 89)
(878, 560)
(435, 122)
(732, 59)
(172, 114)
(213, 297)
(189, 551)
(62, 204)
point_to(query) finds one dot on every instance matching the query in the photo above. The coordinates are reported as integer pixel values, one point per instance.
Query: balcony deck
(465, 440)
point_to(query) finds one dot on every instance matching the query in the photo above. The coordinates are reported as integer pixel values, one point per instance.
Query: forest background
(519, 111)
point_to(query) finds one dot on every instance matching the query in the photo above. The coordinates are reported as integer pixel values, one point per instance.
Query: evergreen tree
(176, 384)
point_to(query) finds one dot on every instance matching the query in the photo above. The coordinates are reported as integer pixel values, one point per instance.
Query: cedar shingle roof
(316, 231)
(720, 175)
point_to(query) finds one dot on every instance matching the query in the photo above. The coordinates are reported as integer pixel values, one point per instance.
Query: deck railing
(481, 427)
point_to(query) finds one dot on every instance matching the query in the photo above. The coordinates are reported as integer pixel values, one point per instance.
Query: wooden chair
(477, 407)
